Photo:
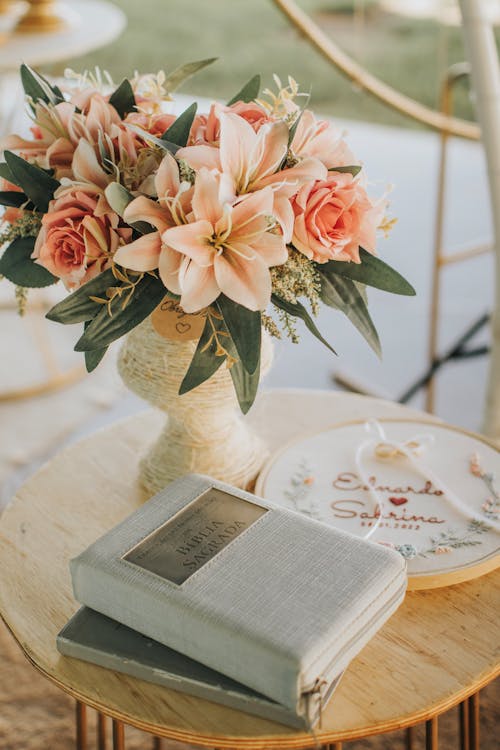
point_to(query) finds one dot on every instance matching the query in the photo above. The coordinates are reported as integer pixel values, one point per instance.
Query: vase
(205, 431)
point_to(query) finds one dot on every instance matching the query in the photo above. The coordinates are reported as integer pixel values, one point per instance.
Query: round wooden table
(436, 651)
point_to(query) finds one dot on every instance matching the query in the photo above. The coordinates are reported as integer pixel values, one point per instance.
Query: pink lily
(148, 252)
(229, 248)
(250, 161)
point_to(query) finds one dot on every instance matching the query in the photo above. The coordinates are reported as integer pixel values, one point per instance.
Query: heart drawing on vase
(398, 500)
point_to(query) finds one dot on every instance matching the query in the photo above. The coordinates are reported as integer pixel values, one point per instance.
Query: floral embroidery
(449, 540)
(301, 483)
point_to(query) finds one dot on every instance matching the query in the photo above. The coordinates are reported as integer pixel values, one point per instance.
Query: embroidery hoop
(434, 579)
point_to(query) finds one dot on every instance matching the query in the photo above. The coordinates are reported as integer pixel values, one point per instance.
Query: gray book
(98, 639)
(272, 599)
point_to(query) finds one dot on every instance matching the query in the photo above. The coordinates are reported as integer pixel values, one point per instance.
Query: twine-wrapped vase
(205, 430)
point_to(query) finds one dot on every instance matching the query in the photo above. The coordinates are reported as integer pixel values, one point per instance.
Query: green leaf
(293, 129)
(36, 183)
(178, 132)
(245, 329)
(78, 307)
(12, 198)
(205, 362)
(93, 358)
(245, 384)
(344, 295)
(354, 169)
(123, 99)
(17, 265)
(106, 328)
(118, 197)
(6, 173)
(371, 271)
(38, 88)
(299, 311)
(182, 73)
(248, 93)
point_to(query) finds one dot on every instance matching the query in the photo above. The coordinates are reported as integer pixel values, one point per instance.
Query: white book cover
(270, 598)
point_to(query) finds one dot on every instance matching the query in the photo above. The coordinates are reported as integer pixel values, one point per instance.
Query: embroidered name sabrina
(350, 481)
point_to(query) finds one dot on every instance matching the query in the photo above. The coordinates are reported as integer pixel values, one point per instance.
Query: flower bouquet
(241, 219)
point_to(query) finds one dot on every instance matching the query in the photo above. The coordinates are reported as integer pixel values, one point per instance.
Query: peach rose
(321, 139)
(78, 237)
(206, 128)
(334, 217)
(156, 124)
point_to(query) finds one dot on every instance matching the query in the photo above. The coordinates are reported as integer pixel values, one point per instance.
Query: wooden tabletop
(439, 647)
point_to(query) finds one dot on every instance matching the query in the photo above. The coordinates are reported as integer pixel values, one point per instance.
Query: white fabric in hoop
(379, 446)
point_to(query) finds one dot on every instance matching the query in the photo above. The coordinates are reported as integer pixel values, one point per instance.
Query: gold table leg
(463, 712)
(474, 722)
(409, 738)
(431, 734)
(81, 726)
(118, 735)
(157, 743)
(101, 731)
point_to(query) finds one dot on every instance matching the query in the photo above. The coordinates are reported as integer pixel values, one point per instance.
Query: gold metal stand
(42, 16)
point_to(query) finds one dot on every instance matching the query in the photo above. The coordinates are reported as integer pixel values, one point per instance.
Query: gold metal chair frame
(442, 121)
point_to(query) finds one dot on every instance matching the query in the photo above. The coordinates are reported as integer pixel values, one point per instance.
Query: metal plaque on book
(186, 542)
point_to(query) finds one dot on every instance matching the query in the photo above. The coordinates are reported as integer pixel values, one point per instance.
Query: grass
(253, 36)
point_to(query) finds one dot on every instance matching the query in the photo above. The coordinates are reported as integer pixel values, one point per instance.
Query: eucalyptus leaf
(17, 265)
(94, 357)
(344, 295)
(183, 72)
(13, 198)
(245, 328)
(371, 271)
(6, 174)
(78, 307)
(293, 129)
(354, 169)
(248, 93)
(37, 88)
(245, 384)
(36, 183)
(205, 362)
(123, 99)
(178, 132)
(118, 197)
(299, 311)
(106, 328)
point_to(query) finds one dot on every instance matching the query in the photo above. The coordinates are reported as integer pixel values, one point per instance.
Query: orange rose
(79, 236)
